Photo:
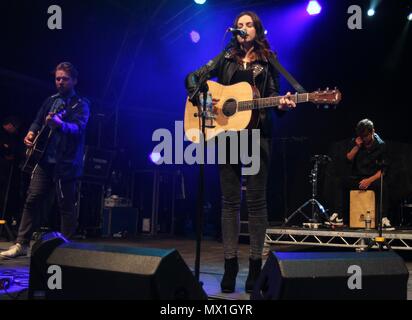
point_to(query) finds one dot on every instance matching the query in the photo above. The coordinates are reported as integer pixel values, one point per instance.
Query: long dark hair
(261, 44)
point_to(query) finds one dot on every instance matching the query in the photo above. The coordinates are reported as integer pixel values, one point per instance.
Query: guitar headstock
(325, 96)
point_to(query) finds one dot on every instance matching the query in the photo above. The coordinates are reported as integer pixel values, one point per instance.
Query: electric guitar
(237, 108)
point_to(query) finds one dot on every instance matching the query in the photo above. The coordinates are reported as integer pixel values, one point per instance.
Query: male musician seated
(66, 115)
(366, 154)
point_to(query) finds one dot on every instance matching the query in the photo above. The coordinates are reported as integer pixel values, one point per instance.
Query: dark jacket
(71, 136)
(224, 66)
(368, 161)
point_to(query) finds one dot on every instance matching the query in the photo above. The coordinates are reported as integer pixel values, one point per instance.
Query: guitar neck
(269, 102)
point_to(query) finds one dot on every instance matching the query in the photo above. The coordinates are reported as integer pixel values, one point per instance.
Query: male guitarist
(65, 117)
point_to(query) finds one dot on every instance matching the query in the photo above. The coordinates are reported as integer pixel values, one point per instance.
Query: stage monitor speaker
(332, 275)
(93, 271)
(40, 252)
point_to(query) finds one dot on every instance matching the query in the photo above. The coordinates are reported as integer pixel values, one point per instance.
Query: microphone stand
(380, 241)
(204, 115)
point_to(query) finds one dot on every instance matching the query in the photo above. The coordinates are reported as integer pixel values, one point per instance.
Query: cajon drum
(361, 202)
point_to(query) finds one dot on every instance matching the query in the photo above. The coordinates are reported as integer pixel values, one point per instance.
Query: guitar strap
(296, 85)
(57, 103)
(74, 103)
(70, 104)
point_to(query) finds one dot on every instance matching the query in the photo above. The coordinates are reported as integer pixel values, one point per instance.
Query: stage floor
(211, 269)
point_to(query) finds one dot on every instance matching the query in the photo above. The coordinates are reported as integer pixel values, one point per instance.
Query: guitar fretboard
(270, 102)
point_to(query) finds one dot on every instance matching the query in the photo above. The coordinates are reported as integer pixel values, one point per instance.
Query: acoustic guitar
(42, 139)
(238, 105)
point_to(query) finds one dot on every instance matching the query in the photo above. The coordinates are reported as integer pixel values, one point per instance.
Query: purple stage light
(313, 8)
(155, 157)
(195, 36)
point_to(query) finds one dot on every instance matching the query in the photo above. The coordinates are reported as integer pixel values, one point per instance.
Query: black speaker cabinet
(93, 271)
(332, 275)
(40, 252)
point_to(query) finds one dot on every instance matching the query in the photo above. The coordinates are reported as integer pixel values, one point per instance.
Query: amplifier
(119, 221)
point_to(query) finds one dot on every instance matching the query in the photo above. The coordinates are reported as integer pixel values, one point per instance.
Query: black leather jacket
(223, 67)
(71, 136)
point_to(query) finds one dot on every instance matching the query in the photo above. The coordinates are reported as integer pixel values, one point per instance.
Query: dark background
(133, 57)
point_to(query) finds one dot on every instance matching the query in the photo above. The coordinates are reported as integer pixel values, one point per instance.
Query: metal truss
(358, 239)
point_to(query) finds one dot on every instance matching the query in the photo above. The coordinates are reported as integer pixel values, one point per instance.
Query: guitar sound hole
(229, 107)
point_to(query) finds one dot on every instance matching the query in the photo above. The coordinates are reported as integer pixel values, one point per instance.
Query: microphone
(240, 32)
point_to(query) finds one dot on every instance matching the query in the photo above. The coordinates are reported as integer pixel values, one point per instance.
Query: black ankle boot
(254, 271)
(228, 282)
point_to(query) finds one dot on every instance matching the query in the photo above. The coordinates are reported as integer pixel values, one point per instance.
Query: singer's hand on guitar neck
(54, 121)
(29, 138)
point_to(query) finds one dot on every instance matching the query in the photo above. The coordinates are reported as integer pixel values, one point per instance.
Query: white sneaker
(334, 220)
(386, 224)
(15, 251)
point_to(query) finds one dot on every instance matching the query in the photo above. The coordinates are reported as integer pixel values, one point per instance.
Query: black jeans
(42, 186)
(230, 180)
(348, 183)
